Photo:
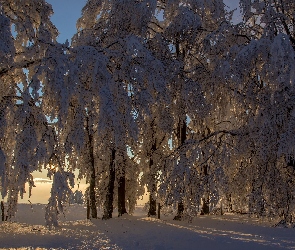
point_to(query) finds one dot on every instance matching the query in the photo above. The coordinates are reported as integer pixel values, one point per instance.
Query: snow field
(138, 231)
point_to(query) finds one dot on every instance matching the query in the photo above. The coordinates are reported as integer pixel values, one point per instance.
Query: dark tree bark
(181, 129)
(159, 210)
(2, 210)
(108, 205)
(153, 204)
(205, 199)
(121, 194)
(152, 201)
(180, 210)
(92, 195)
(205, 206)
(152, 185)
(88, 209)
(230, 205)
(181, 134)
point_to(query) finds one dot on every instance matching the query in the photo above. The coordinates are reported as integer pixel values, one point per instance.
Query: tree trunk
(88, 209)
(92, 195)
(153, 202)
(206, 198)
(230, 205)
(180, 210)
(181, 134)
(205, 206)
(2, 210)
(153, 185)
(159, 211)
(121, 194)
(108, 205)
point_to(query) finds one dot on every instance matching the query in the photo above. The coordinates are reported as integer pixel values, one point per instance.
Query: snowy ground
(140, 232)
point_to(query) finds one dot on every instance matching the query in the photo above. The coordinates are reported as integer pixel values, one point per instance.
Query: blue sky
(66, 13)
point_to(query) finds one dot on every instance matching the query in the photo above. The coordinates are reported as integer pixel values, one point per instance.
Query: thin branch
(192, 141)
(22, 65)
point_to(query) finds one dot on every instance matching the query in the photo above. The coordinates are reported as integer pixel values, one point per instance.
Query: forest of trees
(171, 95)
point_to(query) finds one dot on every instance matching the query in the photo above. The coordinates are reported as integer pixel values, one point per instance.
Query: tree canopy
(169, 95)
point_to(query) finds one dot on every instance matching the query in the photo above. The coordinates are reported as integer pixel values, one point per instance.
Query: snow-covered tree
(260, 73)
(137, 69)
(188, 26)
(31, 87)
(60, 192)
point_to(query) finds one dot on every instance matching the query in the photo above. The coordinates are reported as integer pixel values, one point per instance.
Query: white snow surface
(138, 231)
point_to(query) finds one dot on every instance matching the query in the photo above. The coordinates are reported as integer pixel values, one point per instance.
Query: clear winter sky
(66, 13)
